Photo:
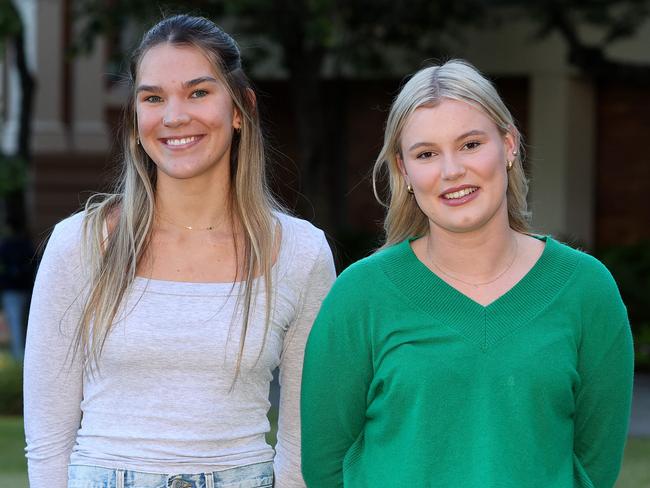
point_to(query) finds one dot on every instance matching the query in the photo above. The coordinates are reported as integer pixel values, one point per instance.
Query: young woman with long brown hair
(160, 312)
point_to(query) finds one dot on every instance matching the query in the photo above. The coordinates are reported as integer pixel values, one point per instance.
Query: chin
(463, 226)
(182, 171)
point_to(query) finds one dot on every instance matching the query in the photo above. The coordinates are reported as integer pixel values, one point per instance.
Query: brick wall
(623, 164)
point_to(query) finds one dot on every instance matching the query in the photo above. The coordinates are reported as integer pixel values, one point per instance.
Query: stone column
(89, 129)
(562, 156)
(44, 27)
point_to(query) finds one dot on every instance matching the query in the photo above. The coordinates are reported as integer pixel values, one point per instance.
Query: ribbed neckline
(482, 325)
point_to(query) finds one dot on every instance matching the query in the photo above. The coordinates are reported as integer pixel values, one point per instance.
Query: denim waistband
(253, 476)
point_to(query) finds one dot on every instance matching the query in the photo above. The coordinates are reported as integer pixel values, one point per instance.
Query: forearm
(52, 372)
(316, 285)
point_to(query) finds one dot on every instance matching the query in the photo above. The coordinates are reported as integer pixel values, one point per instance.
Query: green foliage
(357, 32)
(13, 174)
(616, 19)
(13, 464)
(10, 24)
(272, 435)
(630, 266)
(642, 346)
(11, 386)
(635, 472)
(99, 17)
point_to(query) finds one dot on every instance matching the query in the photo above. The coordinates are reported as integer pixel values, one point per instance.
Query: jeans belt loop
(119, 478)
(209, 480)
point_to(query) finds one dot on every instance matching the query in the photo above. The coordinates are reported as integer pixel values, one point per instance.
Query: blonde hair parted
(114, 261)
(455, 80)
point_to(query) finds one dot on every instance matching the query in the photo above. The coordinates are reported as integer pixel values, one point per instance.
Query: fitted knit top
(162, 399)
(409, 383)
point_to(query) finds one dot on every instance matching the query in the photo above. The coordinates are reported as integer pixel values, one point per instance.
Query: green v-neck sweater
(409, 383)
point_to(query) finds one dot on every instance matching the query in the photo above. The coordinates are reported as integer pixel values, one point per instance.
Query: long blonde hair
(456, 80)
(114, 261)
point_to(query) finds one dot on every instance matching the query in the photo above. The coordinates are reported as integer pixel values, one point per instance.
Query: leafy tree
(614, 20)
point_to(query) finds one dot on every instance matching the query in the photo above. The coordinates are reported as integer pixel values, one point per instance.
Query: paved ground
(640, 421)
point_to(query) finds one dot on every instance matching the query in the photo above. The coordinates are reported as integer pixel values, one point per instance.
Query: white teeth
(180, 142)
(459, 193)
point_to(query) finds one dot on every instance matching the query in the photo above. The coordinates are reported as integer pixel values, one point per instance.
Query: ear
(400, 164)
(252, 100)
(236, 118)
(511, 143)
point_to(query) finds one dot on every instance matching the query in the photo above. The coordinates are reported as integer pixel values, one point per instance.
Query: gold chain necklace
(483, 283)
(188, 227)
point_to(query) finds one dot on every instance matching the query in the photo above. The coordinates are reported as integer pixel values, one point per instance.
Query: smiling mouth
(180, 141)
(460, 193)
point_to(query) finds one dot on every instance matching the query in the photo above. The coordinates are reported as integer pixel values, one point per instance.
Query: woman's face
(185, 116)
(455, 158)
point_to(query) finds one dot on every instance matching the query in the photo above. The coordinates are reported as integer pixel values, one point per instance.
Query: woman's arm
(52, 377)
(603, 396)
(319, 280)
(336, 377)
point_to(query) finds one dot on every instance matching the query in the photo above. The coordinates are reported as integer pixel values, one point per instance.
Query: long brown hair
(114, 261)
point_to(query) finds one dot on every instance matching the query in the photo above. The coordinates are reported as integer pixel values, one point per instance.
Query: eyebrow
(185, 84)
(470, 133)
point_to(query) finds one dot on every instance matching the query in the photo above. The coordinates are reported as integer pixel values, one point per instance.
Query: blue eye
(199, 93)
(425, 155)
(153, 99)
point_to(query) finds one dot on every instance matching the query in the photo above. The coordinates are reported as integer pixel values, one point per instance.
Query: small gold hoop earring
(137, 140)
(509, 165)
(409, 188)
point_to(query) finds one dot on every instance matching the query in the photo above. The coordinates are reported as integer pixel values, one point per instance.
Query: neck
(476, 257)
(190, 203)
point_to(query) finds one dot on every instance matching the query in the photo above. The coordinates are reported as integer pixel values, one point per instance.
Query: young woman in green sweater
(467, 352)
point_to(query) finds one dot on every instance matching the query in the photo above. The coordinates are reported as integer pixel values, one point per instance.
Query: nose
(175, 115)
(452, 168)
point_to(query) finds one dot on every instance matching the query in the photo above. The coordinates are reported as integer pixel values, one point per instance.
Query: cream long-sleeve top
(162, 398)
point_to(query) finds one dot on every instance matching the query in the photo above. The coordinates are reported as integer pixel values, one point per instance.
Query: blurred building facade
(585, 157)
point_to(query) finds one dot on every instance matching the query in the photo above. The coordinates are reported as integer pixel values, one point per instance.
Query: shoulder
(299, 230)
(376, 266)
(592, 287)
(304, 247)
(67, 235)
(368, 281)
(590, 275)
(63, 264)
(301, 237)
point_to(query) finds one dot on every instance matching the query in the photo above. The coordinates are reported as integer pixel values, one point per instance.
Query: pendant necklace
(188, 227)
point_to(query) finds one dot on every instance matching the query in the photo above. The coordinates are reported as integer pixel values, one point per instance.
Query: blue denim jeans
(254, 476)
(14, 304)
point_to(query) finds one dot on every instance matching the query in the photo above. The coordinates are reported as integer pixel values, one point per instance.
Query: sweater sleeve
(336, 377)
(318, 282)
(603, 397)
(52, 379)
